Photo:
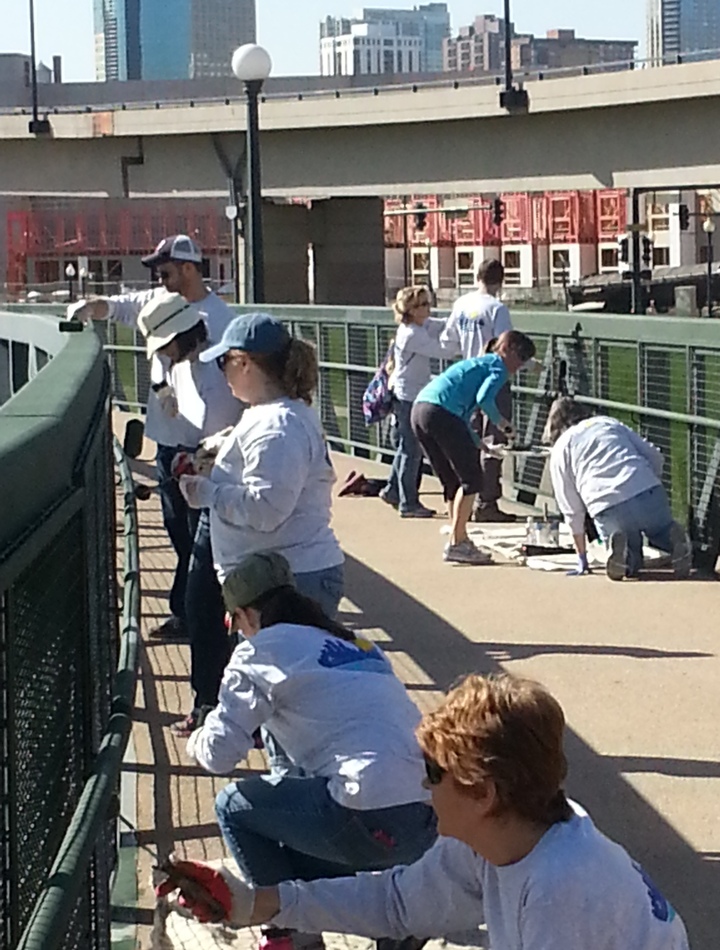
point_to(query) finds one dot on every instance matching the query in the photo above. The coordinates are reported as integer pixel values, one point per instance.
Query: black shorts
(450, 448)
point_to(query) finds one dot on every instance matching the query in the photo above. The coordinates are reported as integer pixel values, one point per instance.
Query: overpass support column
(348, 241)
(285, 240)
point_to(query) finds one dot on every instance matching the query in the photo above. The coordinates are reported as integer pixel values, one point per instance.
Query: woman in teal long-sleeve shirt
(441, 421)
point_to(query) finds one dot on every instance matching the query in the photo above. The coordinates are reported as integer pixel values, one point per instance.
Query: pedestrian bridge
(644, 128)
(635, 665)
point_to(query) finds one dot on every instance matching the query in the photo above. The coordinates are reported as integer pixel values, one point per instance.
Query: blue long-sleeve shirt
(468, 385)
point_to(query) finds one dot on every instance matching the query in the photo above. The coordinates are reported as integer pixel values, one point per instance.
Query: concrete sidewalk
(635, 666)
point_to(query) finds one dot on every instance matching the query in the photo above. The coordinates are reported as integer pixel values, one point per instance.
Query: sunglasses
(229, 357)
(433, 772)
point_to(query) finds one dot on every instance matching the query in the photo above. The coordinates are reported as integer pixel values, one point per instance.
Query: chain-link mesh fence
(59, 640)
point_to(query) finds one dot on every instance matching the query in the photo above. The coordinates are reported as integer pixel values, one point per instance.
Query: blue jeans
(325, 586)
(210, 644)
(404, 478)
(180, 523)
(290, 829)
(647, 513)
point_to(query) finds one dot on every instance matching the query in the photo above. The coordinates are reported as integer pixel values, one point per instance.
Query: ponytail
(295, 369)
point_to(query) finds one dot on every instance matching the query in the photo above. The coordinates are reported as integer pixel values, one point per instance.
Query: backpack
(378, 398)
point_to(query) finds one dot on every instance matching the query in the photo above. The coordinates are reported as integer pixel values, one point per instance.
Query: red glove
(183, 464)
(203, 890)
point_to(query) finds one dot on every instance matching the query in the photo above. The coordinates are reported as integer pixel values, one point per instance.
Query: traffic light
(420, 217)
(647, 251)
(624, 250)
(684, 212)
(498, 210)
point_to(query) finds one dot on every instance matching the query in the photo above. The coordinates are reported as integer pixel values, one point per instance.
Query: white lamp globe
(251, 63)
(709, 226)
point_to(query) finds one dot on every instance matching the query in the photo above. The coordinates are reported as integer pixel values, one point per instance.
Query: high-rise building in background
(117, 40)
(677, 27)
(155, 39)
(480, 47)
(385, 41)
(477, 48)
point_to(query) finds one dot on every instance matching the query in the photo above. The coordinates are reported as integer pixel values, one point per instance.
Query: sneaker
(617, 563)
(172, 629)
(681, 551)
(419, 512)
(389, 499)
(276, 939)
(184, 728)
(407, 943)
(466, 553)
(490, 513)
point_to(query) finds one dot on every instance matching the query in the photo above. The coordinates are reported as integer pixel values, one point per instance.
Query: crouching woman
(343, 718)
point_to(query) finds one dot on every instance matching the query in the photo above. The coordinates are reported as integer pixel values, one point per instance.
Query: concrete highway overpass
(645, 128)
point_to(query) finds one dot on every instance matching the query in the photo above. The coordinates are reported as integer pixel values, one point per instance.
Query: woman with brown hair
(417, 341)
(271, 485)
(513, 852)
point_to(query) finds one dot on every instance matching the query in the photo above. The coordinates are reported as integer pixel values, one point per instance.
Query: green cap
(255, 576)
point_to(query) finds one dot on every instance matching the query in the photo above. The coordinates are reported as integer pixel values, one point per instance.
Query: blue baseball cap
(253, 333)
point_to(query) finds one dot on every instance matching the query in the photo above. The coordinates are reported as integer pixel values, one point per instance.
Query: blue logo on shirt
(661, 908)
(362, 655)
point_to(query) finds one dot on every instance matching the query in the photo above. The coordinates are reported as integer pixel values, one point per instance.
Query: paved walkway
(635, 666)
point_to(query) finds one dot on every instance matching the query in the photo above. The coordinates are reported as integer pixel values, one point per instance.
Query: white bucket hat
(164, 317)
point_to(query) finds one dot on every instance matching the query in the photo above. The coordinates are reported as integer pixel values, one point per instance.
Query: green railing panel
(65, 707)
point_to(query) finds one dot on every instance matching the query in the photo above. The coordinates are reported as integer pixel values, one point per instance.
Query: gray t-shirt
(576, 890)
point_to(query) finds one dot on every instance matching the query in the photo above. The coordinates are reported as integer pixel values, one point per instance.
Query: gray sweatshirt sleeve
(125, 308)
(438, 895)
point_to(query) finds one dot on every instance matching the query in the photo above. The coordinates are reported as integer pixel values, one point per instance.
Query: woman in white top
(346, 722)
(271, 486)
(600, 466)
(417, 341)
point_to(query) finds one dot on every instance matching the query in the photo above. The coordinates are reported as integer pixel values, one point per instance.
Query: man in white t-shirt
(177, 261)
(513, 852)
(476, 319)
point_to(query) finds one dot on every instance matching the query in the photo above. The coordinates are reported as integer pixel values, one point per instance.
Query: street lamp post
(37, 125)
(709, 229)
(82, 280)
(513, 98)
(70, 273)
(252, 66)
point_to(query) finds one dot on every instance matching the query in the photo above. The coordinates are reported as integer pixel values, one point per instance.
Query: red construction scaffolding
(46, 229)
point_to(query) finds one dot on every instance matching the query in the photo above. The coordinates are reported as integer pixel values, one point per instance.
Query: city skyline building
(134, 39)
(677, 27)
(384, 40)
(480, 47)
(117, 40)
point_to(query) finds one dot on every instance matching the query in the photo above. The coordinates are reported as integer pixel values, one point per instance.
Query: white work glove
(210, 894)
(80, 310)
(204, 458)
(88, 310)
(198, 491)
(168, 400)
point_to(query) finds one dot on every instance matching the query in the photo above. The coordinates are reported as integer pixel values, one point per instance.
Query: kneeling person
(343, 719)
(603, 467)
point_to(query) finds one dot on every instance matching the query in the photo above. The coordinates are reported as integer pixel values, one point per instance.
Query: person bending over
(441, 420)
(514, 853)
(603, 467)
(346, 723)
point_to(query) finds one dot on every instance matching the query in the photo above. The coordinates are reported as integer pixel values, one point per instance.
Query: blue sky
(289, 28)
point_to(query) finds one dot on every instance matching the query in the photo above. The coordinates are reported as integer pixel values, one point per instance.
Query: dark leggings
(449, 446)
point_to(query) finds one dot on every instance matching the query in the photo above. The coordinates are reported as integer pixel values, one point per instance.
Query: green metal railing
(659, 374)
(66, 676)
